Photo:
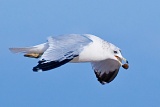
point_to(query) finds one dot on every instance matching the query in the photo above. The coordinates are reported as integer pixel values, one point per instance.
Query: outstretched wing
(62, 49)
(106, 70)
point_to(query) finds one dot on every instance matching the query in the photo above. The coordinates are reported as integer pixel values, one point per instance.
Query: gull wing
(106, 70)
(61, 50)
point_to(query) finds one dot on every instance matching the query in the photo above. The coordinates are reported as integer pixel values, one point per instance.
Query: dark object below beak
(125, 66)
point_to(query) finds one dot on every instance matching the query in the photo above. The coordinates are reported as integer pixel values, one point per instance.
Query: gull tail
(31, 52)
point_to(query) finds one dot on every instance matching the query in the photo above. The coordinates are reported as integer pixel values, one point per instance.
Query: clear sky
(132, 25)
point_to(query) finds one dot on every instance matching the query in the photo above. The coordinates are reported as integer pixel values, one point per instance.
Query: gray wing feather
(61, 50)
(106, 70)
(61, 47)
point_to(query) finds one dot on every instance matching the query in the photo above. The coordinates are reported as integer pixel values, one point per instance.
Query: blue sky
(132, 25)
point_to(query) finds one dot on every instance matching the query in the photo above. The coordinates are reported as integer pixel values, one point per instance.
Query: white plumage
(105, 57)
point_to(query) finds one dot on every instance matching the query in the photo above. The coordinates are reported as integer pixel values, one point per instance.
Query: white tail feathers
(23, 50)
(33, 52)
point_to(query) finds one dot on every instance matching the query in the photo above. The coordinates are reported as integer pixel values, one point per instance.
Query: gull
(105, 58)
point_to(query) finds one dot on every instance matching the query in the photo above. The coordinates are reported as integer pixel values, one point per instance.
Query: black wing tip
(44, 66)
(48, 65)
(99, 78)
(106, 78)
(35, 69)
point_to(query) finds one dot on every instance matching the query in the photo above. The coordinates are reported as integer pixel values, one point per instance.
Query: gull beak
(126, 65)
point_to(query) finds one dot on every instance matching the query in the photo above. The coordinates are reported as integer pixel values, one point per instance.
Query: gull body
(105, 58)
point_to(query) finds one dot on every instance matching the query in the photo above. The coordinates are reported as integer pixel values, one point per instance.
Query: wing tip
(36, 69)
(106, 78)
(48, 65)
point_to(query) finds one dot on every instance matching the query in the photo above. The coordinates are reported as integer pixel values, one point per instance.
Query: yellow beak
(126, 65)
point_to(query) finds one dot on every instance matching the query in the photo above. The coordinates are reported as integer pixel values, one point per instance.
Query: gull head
(118, 56)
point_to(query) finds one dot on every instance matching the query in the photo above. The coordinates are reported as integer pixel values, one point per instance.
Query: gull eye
(115, 52)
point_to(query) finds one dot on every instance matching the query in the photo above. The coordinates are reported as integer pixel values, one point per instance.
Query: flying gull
(105, 58)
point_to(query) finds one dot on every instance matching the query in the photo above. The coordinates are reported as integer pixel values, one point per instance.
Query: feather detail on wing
(62, 49)
(106, 70)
